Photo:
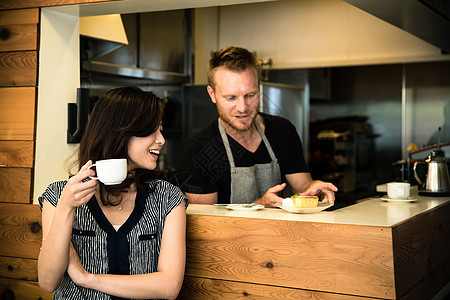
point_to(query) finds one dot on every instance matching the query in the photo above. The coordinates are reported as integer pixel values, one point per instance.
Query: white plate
(407, 200)
(244, 206)
(305, 210)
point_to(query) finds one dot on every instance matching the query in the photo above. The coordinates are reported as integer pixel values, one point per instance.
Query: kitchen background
(368, 89)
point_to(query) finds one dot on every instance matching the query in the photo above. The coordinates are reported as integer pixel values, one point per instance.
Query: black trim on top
(136, 214)
(117, 242)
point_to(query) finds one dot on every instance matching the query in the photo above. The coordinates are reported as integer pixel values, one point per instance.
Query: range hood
(429, 20)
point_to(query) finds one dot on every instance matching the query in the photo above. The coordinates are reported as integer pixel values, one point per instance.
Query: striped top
(133, 249)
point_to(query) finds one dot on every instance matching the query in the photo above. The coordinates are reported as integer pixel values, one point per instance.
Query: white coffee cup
(110, 171)
(398, 190)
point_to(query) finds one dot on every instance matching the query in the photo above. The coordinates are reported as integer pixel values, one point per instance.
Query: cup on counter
(398, 190)
(110, 171)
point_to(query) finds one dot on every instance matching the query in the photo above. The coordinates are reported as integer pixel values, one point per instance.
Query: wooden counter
(371, 249)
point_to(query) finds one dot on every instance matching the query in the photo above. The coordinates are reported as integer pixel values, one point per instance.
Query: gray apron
(251, 183)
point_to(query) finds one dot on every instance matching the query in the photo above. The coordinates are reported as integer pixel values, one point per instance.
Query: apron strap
(226, 143)
(223, 134)
(266, 142)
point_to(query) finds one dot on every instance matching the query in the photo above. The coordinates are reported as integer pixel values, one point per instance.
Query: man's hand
(324, 190)
(271, 198)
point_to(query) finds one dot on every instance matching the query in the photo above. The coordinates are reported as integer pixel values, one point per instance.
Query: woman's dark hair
(117, 116)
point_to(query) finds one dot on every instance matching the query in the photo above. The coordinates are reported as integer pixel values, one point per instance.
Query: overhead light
(105, 27)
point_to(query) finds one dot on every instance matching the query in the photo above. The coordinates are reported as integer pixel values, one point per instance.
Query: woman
(120, 241)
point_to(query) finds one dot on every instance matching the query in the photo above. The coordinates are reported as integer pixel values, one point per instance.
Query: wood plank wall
(18, 55)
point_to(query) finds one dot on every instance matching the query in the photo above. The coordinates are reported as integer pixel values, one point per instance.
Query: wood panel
(24, 16)
(18, 268)
(20, 224)
(15, 185)
(430, 285)
(18, 37)
(20, 230)
(420, 246)
(14, 4)
(333, 258)
(204, 288)
(17, 154)
(17, 113)
(22, 290)
(18, 68)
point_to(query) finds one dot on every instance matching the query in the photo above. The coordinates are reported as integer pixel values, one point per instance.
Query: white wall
(59, 77)
(305, 34)
(205, 40)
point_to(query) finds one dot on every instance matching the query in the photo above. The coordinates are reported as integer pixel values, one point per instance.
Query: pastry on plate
(301, 201)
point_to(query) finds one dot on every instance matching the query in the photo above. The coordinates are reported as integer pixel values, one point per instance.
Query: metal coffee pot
(437, 181)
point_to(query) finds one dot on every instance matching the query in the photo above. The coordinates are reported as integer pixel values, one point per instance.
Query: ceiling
(426, 19)
(135, 6)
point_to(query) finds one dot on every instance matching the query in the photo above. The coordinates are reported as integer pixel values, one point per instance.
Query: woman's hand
(78, 190)
(76, 271)
(324, 190)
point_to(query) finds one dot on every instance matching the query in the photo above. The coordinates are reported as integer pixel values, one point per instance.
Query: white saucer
(407, 200)
(244, 206)
(305, 210)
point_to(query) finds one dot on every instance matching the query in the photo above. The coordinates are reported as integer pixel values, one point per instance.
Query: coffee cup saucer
(407, 200)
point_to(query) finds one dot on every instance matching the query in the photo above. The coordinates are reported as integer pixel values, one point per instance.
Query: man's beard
(229, 122)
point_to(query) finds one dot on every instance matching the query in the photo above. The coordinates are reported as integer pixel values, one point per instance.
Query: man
(243, 156)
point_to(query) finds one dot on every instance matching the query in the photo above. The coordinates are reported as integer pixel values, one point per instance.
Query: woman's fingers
(78, 190)
(86, 165)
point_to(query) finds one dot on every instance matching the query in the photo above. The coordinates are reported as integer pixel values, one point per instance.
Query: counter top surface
(369, 211)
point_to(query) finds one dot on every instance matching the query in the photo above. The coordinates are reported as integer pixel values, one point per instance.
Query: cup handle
(92, 177)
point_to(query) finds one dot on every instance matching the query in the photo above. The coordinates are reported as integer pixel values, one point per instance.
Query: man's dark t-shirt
(205, 164)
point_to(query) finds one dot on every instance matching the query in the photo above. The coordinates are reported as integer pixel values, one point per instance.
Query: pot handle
(416, 175)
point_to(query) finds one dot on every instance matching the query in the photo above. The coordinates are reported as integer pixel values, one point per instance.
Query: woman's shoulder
(57, 186)
(52, 192)
(163, 186)
(166, 190)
